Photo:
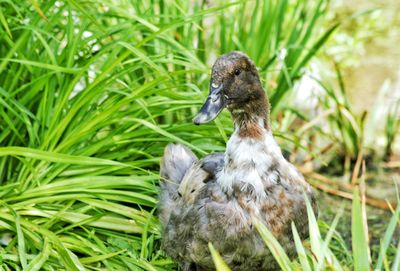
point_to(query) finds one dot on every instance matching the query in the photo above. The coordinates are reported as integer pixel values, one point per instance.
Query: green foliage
(319, 256)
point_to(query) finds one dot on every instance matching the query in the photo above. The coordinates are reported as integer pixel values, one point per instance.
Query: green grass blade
(359, 240)
(388, 237)
(167, 134)
(220, 264)
(37, 263)
(21, 242)
(42, 65)
(305, 265)
(315, 234)
(4, 23)
(396, 262)
(273, 245)
(56, 157)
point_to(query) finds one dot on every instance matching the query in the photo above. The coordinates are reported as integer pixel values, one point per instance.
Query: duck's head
(235, 84)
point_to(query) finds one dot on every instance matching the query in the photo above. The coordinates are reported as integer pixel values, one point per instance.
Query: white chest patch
(248, 161)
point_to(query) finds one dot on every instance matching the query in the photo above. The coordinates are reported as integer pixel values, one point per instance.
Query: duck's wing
(198, 175)
(183, 177)
(213, 163)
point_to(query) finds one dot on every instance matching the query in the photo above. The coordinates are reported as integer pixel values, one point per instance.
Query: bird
(215, 199)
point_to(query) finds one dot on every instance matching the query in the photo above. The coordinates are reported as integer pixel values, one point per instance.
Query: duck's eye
(237, 72)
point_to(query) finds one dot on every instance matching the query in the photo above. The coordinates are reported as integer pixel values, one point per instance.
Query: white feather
(248, 161)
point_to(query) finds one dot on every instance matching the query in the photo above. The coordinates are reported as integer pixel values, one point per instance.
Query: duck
(215, 199)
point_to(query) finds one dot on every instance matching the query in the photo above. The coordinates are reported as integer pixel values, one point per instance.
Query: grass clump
(318, 255)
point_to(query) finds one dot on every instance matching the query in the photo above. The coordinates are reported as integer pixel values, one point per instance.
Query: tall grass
(317, 255)
(92, 91)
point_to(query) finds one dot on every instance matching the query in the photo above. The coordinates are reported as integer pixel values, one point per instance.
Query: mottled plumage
(214, 199)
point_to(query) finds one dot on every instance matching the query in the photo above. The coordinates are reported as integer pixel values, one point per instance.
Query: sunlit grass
(319, 256)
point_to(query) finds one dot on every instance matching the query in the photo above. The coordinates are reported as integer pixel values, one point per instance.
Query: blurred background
(376, 53)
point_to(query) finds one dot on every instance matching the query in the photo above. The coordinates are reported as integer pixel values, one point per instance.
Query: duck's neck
(251, 151)
(250, 125)
(254, 114)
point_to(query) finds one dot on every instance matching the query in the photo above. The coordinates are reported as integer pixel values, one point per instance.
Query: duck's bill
(212, 107)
